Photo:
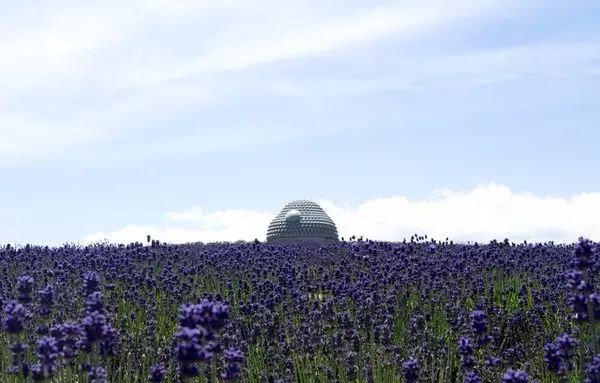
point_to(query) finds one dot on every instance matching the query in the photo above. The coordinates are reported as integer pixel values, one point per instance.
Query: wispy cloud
(481, 214)
(277, 34)
(41, 134)
(81, 74)
(460, 70)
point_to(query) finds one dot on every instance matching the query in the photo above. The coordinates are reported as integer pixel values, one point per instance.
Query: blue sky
(199, 120)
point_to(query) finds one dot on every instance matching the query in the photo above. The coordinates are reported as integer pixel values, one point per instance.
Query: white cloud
(194, 225)
(481, 214)
(281, 32)
(107, 42)
(81, 74)
(30, 136)
(462, 70)
(77, 78)
(55, 45)
(33, 139)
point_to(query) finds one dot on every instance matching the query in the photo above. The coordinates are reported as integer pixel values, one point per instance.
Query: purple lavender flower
(46, 300)
(18, 351)
(208, 314)
(24, 288)
(232, 369)
(472, 377)
(94, 302)
(410, 368)
(93, 325)
(593, 300)
(25, 369)
(91, 282)
(552, 357)
(188, 371)
(512, 376)
(578, 303)
(189, 351)
(97, 374)
(220, 313)
(108, 343)
(16, 315)
(37, 372)
(67, 336)
(47, 353)
(593, 370)
(567, 344)
(575, 280)
(157, 373)
(465, 349)
(583, 255)
(479, 322)
(189, 316)
(558, 356)
(492, 361)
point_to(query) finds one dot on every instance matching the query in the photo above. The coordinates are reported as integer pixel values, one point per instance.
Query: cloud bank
(480, 214)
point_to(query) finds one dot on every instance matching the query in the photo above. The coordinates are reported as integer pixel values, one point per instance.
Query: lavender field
(354, 311)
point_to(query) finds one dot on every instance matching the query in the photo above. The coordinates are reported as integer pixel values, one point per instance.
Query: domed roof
(302, 220)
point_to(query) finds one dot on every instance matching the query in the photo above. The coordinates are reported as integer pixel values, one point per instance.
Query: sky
(199, 120)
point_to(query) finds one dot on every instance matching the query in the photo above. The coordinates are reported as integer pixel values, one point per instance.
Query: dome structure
(302, 220)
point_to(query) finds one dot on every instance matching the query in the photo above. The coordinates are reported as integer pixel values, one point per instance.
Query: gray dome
(302, 220)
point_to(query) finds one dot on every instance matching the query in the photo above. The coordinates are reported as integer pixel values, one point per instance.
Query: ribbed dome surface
(302, 220)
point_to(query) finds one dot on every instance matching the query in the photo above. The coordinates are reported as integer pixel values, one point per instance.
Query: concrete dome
(302, 220)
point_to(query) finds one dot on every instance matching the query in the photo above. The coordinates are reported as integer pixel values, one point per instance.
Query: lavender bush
(355, 311)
